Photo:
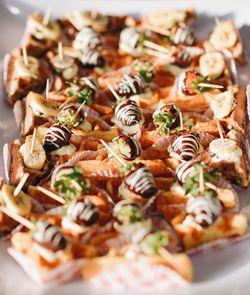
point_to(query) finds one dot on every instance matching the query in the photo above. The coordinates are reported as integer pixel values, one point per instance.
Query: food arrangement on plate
(133, 140)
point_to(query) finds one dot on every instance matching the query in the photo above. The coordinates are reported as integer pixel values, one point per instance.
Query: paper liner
(139, 275)
(61, 274)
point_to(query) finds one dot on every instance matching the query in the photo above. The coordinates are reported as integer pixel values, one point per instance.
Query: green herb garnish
(145, 69)
(152, 243)
(192, 182)
(195, 85)
(71, 184)
(82, 93)
(163, 120)
(129, 214)
(67, 118)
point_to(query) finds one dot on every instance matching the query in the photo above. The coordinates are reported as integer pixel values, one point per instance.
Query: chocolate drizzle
(183, 170)
(56, 136)
(49, 236)
(205, 210)
(187, 146)
(91, 58)
(83, 212)
(141, 181)
(128, 113)
(131, 85)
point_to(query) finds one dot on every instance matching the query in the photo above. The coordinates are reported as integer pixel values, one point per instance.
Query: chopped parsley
(145, 69)
(82, 93)
(152, 243)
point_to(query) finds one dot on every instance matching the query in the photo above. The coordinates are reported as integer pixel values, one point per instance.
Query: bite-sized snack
(83, 90)
(33, 153)
(69, 182)
(183, 170)
(126, 146)
(189, 83)
(56, 137)
(91, 58)
(23, 76)
(138, 183)
(146, 69)
(181, 58)
(96, 20)
(202, 210)
(66, 66)
(169, 18)
(86, 38)
(223, 104)
(166, 117)
(186, 146)
(182, 35)
(127, 212)
(131, 41)
(40, 107)
(19, 204)
(131, 85)
(40, 34)
(81, 215)
(212, 64)
(225, 36)
(70, 117)
(128, 117)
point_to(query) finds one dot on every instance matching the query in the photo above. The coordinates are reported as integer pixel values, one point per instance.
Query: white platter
(223, 272)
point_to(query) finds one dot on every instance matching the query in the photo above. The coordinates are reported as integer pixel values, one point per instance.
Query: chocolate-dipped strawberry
(127, 212)
(86, 38)
(131, 41)
(183, 170)
(189, 83)
(56, 137)
(69, 182)
(128, 117)
(166, 117)
(203, 210)
(131, 85)
(126, 146)
(138, 182)
(186, 146)
(146, 69)
(182, 35)
(83, 90)
(181, 58)
(49, 236)
(81, 214)
(91, 58)
(69, 116)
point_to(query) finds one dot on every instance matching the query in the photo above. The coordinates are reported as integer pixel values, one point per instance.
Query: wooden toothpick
(181, 120)
(60, 50)
(79, 109)
(160, 55)
(207, 85)
(112, 152)
(201, 180)
(47, 89)
(66, 101)
(113, 91)
(51, 194)
(25, 222)
(219, 130)
(25, 56)
(157, 29)
(160, 128)
(47, 16)
(21, 184)
(33, 141)
(155, 46)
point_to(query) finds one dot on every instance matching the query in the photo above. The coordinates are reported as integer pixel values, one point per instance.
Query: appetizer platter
(132, 147)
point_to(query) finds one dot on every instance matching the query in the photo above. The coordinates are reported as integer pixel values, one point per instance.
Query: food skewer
(60, 50)
(33, 141)
(112, 152)
(47, 89)
(46, 17)
(21, 184)
(113, 91)
(201, 180)
(25, 222)
(219, 130)
(51, 194)
(25, 56)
